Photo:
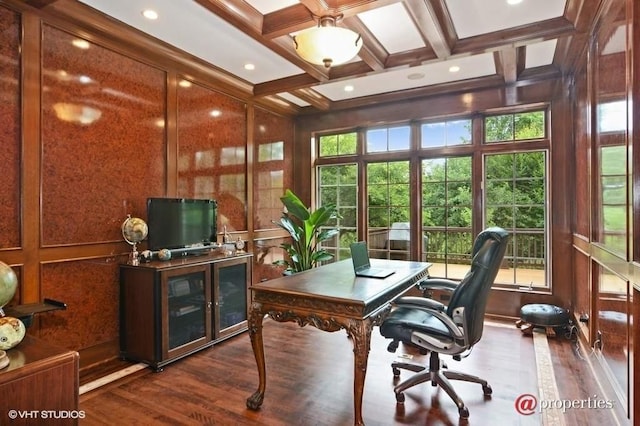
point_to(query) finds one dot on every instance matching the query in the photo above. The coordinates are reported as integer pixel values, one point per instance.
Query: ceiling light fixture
(327, 44)
(513, 2)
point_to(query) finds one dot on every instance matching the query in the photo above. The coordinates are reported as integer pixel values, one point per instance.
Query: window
(446, 133)
(515, 198)
(447, 210)
(341, 144)
(432, 186)
(515, 127)
(339, 185)
(389, 139)
(388, 206)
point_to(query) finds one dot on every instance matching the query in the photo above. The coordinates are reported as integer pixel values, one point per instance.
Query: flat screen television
(176, 223)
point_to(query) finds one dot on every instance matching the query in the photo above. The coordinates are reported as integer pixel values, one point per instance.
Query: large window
(426, 189)
(446, 215)
(515, 194)
(388, 207)
(339, 185)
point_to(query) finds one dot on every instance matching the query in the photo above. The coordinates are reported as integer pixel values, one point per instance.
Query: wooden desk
(331, 298)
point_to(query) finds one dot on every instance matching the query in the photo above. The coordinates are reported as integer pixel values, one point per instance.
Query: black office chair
(453, 329)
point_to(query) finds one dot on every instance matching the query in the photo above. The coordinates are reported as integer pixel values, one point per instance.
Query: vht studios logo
(526, 404)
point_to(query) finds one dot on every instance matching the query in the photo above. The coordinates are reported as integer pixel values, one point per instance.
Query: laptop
(362, 265)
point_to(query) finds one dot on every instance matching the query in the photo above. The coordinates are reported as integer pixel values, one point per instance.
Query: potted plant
(307, 230)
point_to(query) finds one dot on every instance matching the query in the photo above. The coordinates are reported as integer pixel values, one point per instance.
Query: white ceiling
(190, 27)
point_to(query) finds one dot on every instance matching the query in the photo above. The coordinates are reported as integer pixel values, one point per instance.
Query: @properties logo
(526, 404)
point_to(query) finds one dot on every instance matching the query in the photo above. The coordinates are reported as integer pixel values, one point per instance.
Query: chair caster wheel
(464, 413)
(400, 398)
(487, 390)
(396, 372)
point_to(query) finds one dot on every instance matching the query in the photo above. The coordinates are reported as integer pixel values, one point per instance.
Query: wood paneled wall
(607, 279)
(91, 127)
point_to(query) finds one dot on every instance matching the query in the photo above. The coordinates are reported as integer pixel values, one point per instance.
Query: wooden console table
(331, 298)
(40, 385)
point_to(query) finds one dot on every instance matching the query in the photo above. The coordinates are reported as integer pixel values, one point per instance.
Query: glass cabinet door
(231, 296)
(187, 309)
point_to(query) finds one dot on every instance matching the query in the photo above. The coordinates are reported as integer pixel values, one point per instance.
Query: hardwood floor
(310, 382)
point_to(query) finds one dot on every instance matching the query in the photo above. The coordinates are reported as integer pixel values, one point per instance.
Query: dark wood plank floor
(310, 382)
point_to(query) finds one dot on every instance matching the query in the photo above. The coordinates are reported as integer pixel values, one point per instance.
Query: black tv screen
(180, 222)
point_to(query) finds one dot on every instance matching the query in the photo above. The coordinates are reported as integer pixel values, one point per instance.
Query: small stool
(542, 315)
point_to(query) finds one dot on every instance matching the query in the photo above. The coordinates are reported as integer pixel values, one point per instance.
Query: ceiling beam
(372, 51)
(506, 64)
(314, 98)
(434, 27)
(569, 49)
(292, 18)
(536, 32)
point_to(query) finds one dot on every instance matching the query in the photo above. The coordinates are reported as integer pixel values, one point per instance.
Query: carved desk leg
(360, 332)
(255, 333)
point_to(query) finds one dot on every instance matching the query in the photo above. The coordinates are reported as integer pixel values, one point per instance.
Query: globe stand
(134, 259)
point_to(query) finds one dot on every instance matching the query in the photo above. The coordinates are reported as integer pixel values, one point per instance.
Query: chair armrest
(420, 302)
(435, 308)
(438, 284)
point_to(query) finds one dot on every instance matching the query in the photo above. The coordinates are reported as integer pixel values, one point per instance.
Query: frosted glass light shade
(327, 45)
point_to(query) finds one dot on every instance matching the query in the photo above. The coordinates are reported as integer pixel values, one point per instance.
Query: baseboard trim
(102, 381)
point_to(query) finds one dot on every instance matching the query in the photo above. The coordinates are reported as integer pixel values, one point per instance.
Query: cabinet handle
(208, 305)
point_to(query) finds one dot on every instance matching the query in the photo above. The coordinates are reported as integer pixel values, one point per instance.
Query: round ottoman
(542, 315)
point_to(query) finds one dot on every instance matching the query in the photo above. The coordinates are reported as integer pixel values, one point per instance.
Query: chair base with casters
(437, 329)
(436, 373)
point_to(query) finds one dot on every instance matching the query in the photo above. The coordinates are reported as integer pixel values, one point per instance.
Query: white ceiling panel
(397, 37)
(268, 6)
(475, 17)
(411, 77)
(540, 54)
(190, 27)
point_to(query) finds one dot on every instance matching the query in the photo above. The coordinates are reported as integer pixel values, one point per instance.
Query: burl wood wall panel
(103, 143)
(273, 137)
(90, 290)
(10, 129)
(212, 140)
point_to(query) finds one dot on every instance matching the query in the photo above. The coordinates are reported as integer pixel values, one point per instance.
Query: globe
(12, 331)
(134, 230)
(8, 284)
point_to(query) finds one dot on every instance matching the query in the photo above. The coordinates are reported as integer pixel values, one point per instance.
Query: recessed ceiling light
(249, 67)
(80, 44)
(349, 88)
(150, 14)
(184, 83)
(454, 68)
(215, 113)
(512, 2)
(415, 76)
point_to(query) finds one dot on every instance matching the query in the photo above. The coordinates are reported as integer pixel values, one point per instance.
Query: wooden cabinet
(40, 385)
(171, 309)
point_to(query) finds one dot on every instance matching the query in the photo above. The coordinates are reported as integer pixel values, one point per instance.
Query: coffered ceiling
(411, 47)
